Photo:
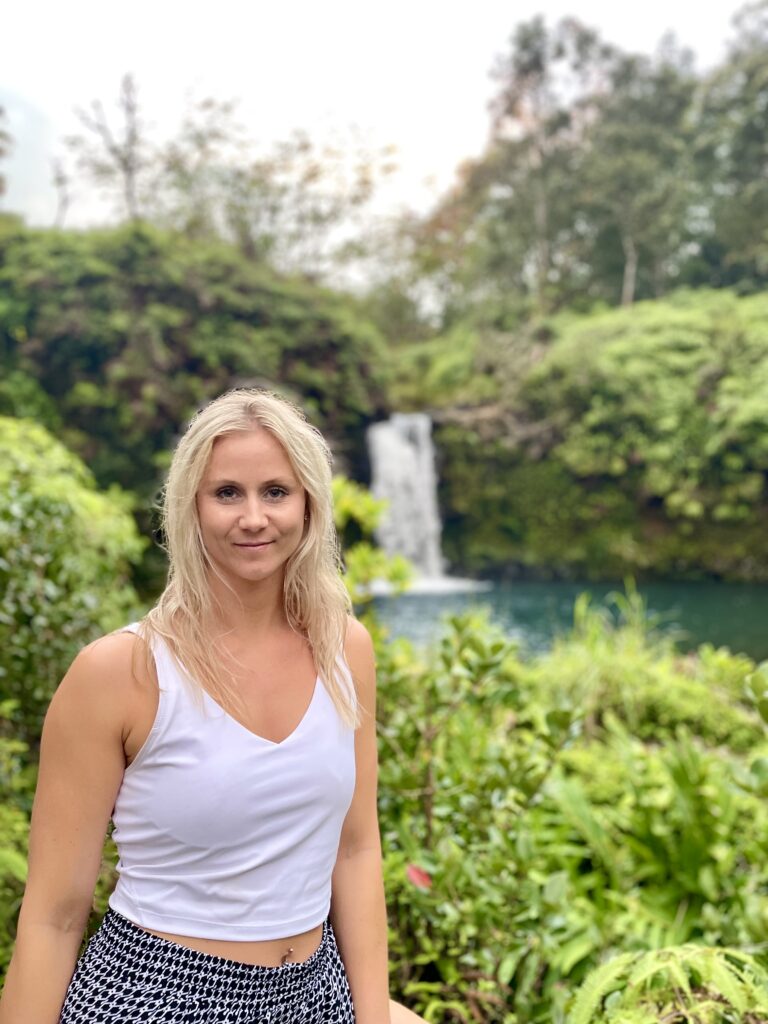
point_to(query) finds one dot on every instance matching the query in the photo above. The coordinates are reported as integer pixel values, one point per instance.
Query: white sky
(414, 73)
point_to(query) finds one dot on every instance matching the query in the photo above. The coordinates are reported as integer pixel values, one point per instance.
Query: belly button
(284, 957)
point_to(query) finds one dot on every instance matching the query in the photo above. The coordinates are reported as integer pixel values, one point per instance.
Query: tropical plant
(682, 984)
(65, 556)
(16, 786)
(528, 839)
(366, 566)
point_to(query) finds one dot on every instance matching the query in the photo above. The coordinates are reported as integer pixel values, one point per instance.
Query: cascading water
(403, 472)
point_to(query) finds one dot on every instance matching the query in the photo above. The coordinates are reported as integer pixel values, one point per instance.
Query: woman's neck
(249, 610)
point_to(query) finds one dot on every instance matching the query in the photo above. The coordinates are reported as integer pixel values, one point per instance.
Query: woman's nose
(253, 514)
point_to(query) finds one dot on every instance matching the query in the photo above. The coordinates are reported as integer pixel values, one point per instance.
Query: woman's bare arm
(358, 911)
(81, 767)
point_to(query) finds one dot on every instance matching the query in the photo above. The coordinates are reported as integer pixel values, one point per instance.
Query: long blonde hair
(315, 599)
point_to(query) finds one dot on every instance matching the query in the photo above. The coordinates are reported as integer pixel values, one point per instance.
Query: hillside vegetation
(588, 445)
(576, 445)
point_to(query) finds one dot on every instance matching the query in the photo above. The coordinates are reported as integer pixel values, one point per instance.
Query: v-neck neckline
(257, 736)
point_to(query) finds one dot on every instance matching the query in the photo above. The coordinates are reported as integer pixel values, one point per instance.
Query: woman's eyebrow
(282, 481)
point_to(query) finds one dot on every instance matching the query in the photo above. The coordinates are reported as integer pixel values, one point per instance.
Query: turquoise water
(725, 614)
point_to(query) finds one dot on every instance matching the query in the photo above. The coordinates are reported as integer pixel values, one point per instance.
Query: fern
(710, 980)
(635, 1015)
(677, 975)
(722, 976)
(596, 987)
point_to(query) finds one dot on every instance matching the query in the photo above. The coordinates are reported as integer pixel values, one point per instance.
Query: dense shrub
(624, 440)
(16, 787)
(534, 830)
(122, 333)
(687, 983)
(65, 552)
(638, 675)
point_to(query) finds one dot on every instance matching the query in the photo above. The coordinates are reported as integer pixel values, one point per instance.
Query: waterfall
(403, 471)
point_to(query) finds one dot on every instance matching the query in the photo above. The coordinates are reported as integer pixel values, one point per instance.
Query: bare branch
(61, 182)
(117, 161)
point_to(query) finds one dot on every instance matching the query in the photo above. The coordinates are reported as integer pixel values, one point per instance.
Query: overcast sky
(414, 73)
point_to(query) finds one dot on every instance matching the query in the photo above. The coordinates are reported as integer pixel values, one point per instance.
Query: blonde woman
(230, 737)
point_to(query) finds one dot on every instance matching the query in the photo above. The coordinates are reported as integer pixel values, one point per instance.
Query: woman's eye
(226, 493)
(276, 492)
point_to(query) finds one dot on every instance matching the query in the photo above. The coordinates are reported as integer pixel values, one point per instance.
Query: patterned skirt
(127, 975)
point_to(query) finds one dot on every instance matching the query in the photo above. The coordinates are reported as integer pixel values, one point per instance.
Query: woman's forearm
(359, 919)
(39, 973)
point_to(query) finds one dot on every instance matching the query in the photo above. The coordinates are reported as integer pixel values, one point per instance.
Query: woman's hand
(399, 1014)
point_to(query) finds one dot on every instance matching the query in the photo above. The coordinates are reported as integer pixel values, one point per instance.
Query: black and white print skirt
(127, 975)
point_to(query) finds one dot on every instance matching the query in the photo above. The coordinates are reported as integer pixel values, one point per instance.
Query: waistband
(152, 958)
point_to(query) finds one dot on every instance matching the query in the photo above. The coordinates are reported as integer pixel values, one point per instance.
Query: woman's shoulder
(116, 650)
(358, 640)
(359, 653)
(106, 670)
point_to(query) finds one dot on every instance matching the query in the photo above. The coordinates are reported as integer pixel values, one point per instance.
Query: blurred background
(544, 230)
(512, 260)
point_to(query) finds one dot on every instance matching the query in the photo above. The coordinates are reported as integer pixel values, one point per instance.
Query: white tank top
(223, 834)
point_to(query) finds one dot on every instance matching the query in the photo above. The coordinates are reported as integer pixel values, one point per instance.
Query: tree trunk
(541, 222)
(630, 270)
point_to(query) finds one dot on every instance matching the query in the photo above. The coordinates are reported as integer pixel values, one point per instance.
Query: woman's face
(250, 506)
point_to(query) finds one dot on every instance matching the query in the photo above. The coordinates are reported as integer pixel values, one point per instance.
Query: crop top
(223, 834)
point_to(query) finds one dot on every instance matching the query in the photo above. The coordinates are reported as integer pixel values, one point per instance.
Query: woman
(230, 736)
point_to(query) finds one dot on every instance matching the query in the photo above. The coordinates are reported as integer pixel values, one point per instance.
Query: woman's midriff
(265, 953)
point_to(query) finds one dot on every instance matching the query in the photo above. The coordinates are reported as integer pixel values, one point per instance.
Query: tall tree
(291, 206)
(118, 160)
(636, 171)
(5, 145)
(509, 232)
(61, 182)
(732, 151)
(191, 164)
(297, 205)
(547, 82)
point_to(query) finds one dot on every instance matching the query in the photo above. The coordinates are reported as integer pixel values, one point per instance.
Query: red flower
(418, 877)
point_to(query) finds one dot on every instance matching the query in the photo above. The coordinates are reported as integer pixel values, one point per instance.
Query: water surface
(733, 615)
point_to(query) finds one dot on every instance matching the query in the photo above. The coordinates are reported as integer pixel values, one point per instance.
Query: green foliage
(5, 145)
(21, 397)
(16, 783)
(539, 820)
(731, 123)
(128, 330)
(756, 689)
(354, 506)
(65, 554)
(636, 175)
(686, 983)
(462, 757)
(634, 442)
(518, 225)
(607, 176)
(653, 848)
(367, 567)
(356, 514)
(442, 371)
(638, 676)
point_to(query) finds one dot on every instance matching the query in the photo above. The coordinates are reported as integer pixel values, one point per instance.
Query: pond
(730, 615)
